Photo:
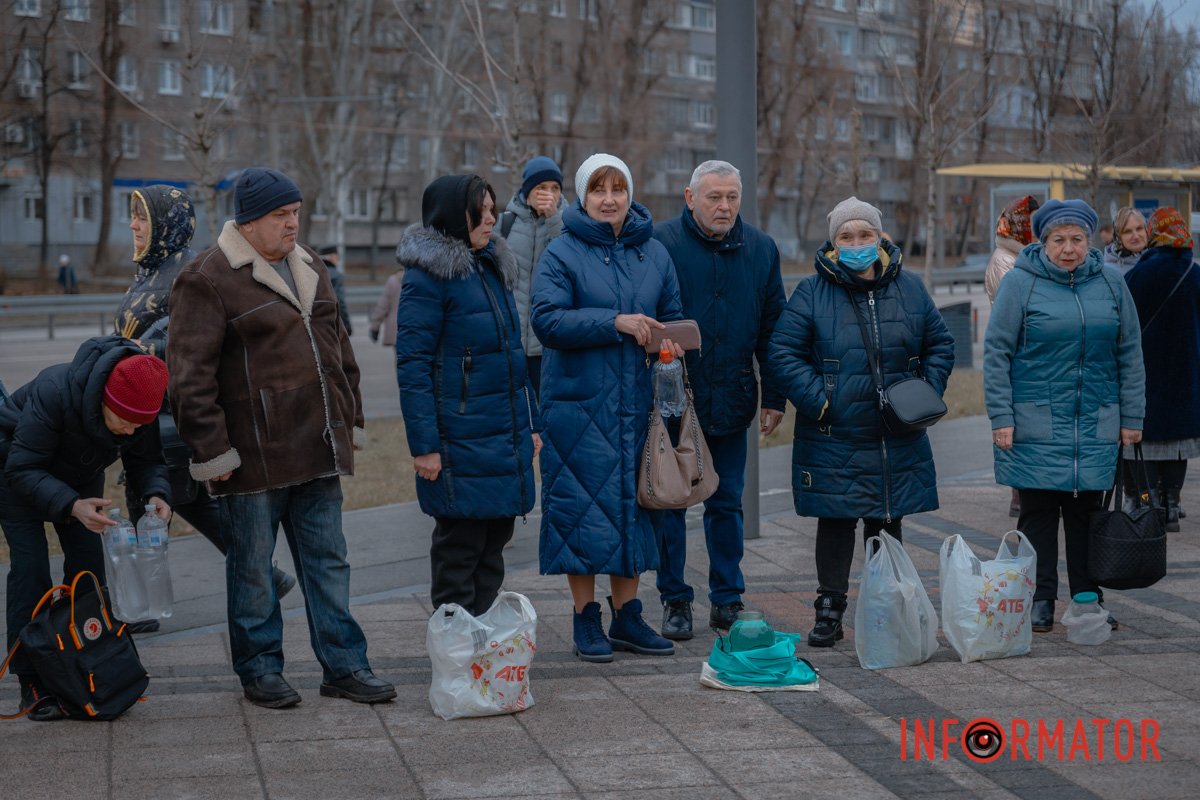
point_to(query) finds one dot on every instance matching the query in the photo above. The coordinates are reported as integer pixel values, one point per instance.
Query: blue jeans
(722, 530)
(311, 514)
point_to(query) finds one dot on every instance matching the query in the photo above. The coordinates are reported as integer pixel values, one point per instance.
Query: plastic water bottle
(750, 631)
(152, 561)
(669, 396)
(125, 586)
(1086, 621)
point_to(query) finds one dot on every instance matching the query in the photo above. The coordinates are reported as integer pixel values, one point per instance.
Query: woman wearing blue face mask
(844, 466)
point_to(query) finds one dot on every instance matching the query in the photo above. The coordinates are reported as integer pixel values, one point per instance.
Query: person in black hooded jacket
(58, 433)
(163, 220)
(467, 401)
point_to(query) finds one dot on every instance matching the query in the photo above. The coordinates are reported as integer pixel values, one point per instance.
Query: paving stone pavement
(644, 726)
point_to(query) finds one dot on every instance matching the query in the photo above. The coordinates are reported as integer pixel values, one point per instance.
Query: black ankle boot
(1173, 514)
(828, 629)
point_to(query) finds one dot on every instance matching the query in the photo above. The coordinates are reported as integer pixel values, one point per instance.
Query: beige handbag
(675, 477)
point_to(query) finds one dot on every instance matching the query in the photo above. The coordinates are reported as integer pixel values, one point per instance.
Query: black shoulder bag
(908, 405)
(1127, 550)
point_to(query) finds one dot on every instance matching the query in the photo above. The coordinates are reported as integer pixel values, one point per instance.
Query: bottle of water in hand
(152, 558)
(125, 586)
(669, 396)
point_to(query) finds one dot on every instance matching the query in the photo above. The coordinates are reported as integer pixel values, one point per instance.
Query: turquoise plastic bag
(764, 668)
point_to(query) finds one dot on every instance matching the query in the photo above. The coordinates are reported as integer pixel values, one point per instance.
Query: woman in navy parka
(468, 407)
(598, 290)
(844, 467)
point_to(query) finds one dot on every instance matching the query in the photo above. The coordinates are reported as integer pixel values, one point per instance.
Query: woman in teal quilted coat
(1063, 383)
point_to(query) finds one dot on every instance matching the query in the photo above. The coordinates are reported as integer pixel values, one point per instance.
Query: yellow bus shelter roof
(1074, 172)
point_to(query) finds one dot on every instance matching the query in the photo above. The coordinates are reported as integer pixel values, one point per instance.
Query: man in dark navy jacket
(730, 284)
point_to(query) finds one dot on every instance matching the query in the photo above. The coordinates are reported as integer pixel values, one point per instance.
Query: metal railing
(24, 310)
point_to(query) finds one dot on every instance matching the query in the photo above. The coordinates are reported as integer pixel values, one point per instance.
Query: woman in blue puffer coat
(468, 407)
(1063, 381)
(844, 467)
(598, 291)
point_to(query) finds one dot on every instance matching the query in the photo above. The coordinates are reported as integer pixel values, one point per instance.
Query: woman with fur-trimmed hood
(468, 407)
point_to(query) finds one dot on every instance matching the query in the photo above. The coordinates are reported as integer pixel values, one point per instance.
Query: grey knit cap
(851, 209)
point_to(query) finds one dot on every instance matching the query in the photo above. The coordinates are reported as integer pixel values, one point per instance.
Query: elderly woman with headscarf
(1129, 240)
(1063, 383)
(1013, 232)
(845, 466)
(1166, 288)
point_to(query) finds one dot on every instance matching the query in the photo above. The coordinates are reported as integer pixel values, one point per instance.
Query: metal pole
(737, 143)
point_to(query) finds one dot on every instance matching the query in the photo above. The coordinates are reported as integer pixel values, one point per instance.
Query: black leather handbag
(1127, 550)
(908, 405)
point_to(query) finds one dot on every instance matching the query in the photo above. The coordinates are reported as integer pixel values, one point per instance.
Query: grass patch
(384, 475)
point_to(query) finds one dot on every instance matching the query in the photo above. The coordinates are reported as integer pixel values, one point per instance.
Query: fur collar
(447, 258)
(240, 252)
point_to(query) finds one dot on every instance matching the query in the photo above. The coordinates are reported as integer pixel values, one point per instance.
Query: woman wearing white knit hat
(599, 290)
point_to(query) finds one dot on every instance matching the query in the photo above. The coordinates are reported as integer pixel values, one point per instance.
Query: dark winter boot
(32, 692)
(828, 629)
(1171, 495)
(629, 631)
(590, 642)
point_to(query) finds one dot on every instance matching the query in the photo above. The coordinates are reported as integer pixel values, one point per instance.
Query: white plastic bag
(895, 624)
(986, 604)
(481, 664)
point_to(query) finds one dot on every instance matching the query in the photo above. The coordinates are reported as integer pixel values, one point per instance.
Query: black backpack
(85, 659)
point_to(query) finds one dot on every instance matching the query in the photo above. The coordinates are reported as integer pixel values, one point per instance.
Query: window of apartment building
(254, 15)
(470, 154)
(587, 9)
(29, 70)
(556, 55)
(704, 114)
(845, 40)
(172, 145)
(702, 16)
(170, 78)
(558, 8)
(28, 8)
(127, 76)
(85, 207)
(77, 10)
(216, 16)
(558, 107)
(841, 129)
(169, 12)
(77, 136)
(34, 206)
(678, 159)
(215, 80)
(866, 87)
(702, 67)
(839, 5)
(124, 202)
(819, 128)
(128, 13)
(869, 170)
(358, 204)
(677, 112)
(78, 70)
(131, 144)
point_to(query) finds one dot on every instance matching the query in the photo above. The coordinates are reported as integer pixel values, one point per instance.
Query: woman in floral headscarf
(1013, 231)
(162, 220)
(1166, 288)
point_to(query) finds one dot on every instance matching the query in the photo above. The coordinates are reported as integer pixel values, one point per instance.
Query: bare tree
(1048, 37)
(111, 48)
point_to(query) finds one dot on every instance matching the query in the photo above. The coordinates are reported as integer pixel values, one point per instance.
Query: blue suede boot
(590, 643)
(629, 631)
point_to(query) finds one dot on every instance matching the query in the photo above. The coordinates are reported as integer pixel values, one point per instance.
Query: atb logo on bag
(92, 629)
(1002, 602)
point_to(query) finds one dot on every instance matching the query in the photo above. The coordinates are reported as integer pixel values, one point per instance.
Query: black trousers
(1041, 510)
(203, 513)
(835, 549)
(29, 561)
(467, 561)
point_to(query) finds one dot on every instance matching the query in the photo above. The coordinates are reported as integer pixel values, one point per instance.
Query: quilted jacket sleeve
(419, 320)
(773, 391)
(556, 321)
(791, 351)
(34, 444)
